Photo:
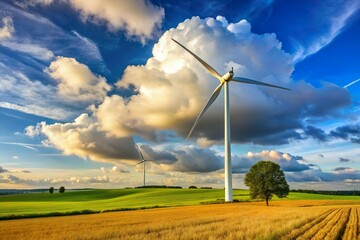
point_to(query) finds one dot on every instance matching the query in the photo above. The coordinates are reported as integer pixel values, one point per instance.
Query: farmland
(297, 219)
(300, 216)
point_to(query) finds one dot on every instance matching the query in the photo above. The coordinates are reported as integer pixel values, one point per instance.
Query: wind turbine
(142, 161)
(224, 81)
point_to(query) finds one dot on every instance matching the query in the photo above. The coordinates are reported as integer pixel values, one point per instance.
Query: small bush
(192, 187)
(179, 187)
(158, 186)
(217, 201)
(51, 190)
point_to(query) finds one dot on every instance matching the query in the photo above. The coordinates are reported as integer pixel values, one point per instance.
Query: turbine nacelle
(228, 76)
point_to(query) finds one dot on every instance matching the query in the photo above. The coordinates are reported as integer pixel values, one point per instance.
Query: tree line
(329, 192)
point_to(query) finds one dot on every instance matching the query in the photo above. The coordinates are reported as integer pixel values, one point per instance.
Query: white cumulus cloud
(76, 82)
(139, 18)
(83, 138)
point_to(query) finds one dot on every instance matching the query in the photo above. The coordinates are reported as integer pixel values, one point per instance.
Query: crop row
(352, 228)
(342, 223)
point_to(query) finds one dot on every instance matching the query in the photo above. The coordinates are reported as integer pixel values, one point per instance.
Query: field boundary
(72, 213)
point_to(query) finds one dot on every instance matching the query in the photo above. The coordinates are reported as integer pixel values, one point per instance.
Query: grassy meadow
(108, 199)
(99, 200)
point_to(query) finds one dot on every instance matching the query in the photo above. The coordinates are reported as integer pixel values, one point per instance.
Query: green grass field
(122, 199)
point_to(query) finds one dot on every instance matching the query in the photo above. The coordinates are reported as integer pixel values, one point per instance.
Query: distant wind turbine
(353, 82)
(224, 81)
(142, 161)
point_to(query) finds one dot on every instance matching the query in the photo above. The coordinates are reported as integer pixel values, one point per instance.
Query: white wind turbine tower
(224, 81)
(142, 161)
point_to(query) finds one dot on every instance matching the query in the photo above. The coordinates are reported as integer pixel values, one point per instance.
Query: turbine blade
(211, 70)
(140, 162)
(250, 81)
(139, 150)
(142, 156)
(213, 97)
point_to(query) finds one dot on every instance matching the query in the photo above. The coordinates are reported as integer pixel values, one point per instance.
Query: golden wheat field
(318, 219)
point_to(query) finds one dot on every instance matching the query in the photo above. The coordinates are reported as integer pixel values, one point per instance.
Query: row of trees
(61, 189)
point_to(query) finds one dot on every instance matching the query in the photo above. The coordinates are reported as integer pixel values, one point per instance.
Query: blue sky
(81, 83)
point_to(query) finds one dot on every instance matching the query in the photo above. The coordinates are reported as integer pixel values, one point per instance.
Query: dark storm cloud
(242, 164)
(114, 148)
(341, 169)
(193, 159)
(344, 159)
(312, 165)
(185, 158)
(278, 138)
(346, 132)
(316, 133)
(307, 176)
(317, 175)
(157, 156)
(293, 165)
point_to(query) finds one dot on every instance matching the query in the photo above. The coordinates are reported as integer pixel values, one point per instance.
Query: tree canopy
(264, 179)
(62, 189)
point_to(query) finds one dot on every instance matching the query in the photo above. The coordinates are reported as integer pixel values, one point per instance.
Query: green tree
(62, 189)
(264, 179)
(51, 190)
